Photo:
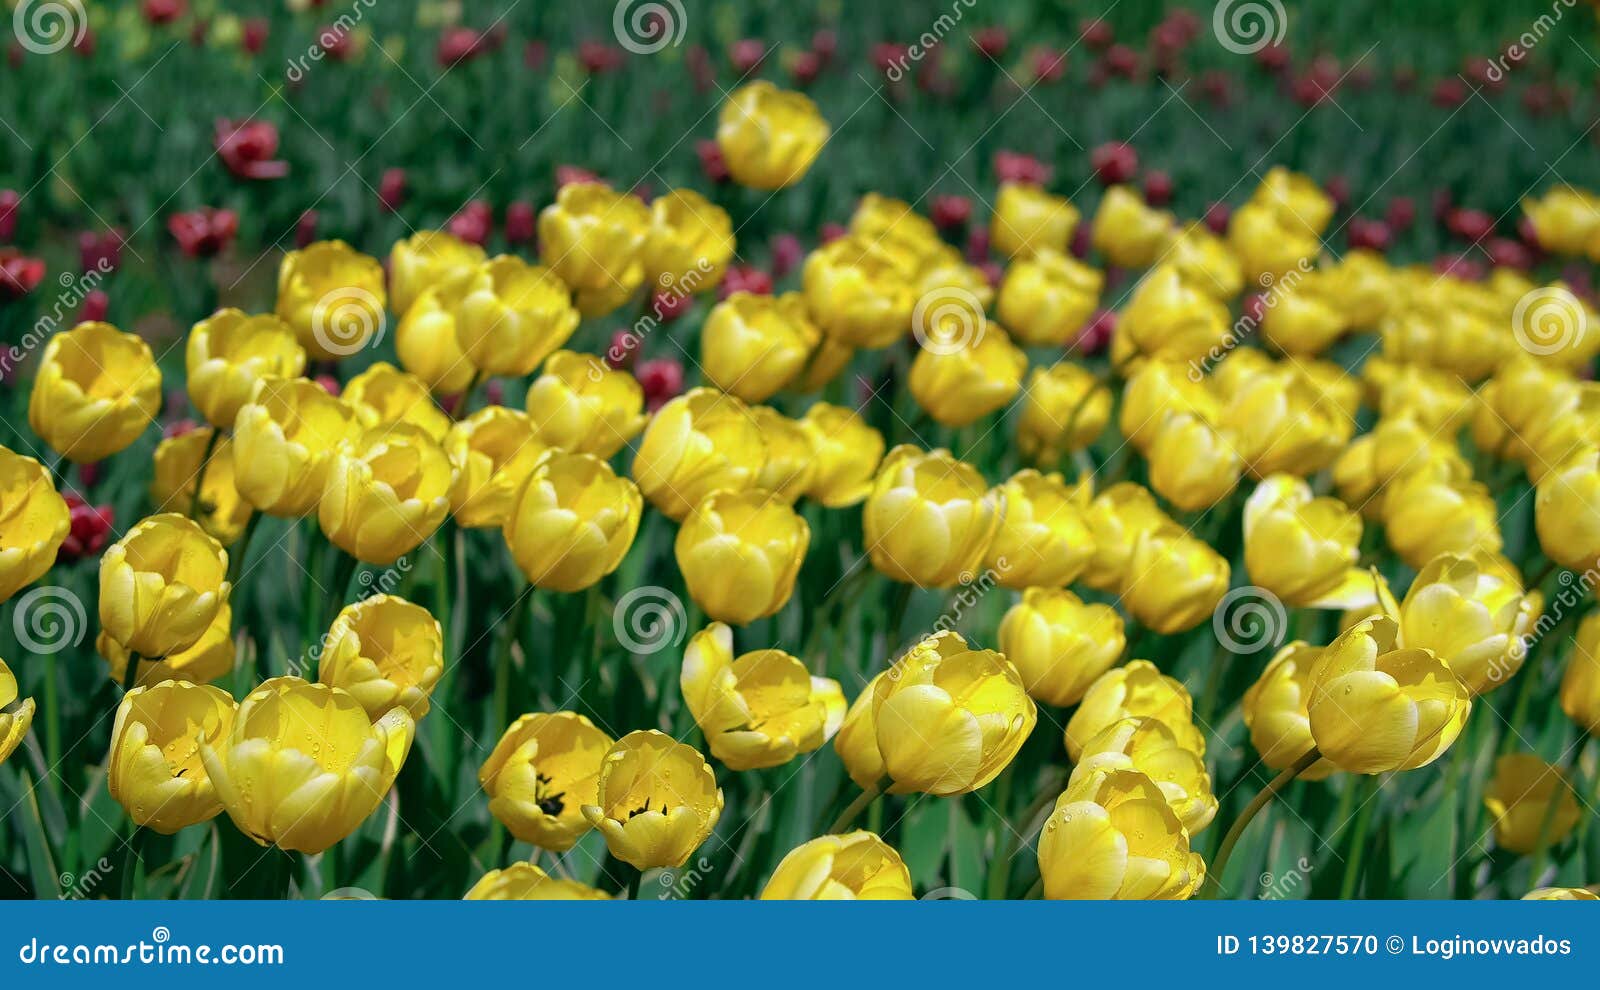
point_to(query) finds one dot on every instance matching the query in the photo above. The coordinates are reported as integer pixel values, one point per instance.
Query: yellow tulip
(229, 352)
(427, 260)
(901, 228)
(690, 241)
(1114, 836)
(1283, 422)
(753, 345)
(15, 716)
(769, 136)
(526, 882)
(386, 493)
(1580, 685)
(1160, 390)
(386, 652)
(1437, 399)
(855, 866)
(1304, 549)
(572, 522)
(1169, 319)
(542, 772)
(96, 390)
(1305, 319)
(177, 467)
(304, 765)
(333, 297)
(1297, 198)
(1537, 414)
(846, 452)
(1439, 334)
(959, 378)
(1470, 610)
(384, 394)
(831, 357)
(512, 315)
(857, 739)
(1561, 894)
(1438, 510)
(1566, 511)
(154, 769)
(284, 442)
(1059, 644)
(760, 710)
(1047, 298)
(1374, 461)
(591, 237)
(657, 800)
(1376, 706)
(34, 521)
(426, 340)
(1193, 464)
(1362, 286)
(1565, 220)
(929, 519)
(1275, 710)
(1127, 231)
(949, 718)
(1065, 408)
(1043, 540)
(1137, 689)
(492, 451)
(1531, 802)
(1267, 245)
(858, 292)
(1147, 745)
(740, 553)
(581, 404)
(209, 659)
(1205, 261)
(701, 441)
(1028, 220)
(1118, 517)
(1174, 580)
(791, 458)
(161, 585)
(595, 303)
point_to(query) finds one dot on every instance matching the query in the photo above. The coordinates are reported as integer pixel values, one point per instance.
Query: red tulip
(700, 69)
(1120, 60)
(624, 348)
(1096, 33)
(254, 37)
(1157, 188)
(1049, 65)
(334, 40)
(85, 43)
(1216, 87)
(567, 175)
(950, 212)
(668, 306)
(1273, 58)
(889, 57)
(329, 384)
(992, 41)
(474, 223)
(87, 529)
(534, 54)
(19, 274)
(825, 44)
(805, 68)
(1405, 77)
(1097, 333)
(1338, 189)
(1217, 217)
(787, 254)
(831, 232)
(745, 278)
(599, 58)
(392, 189)
(100, 251)
(978, 245)
(204, 232)
(1507, 253)
(9, 201)
(1012, 166)
(1461, 266)
(457, 45)
(712, 163)
(1400, 214)
(305, 229)
(521, 221)
(95, 307)
(164, 11)
(247, 147)
(1114, 162)
(746, 55)
(1469, 224)
(1448, 93)
(1368, 233)
(661, 379)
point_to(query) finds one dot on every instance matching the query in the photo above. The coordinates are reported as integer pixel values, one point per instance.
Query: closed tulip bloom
(1441, 510)
(1376, 706)
(1193, 464)
(542, 772)
(769, 136)
(1305, 320)
(1205, 261)
(1047, 298)
(162, 584)
(1118, 517)
(1565, 220)
(96, 390)
(894, 222)
(1437, 399)
(304, 765)
(1471, 611)
(572, 522)
(1129, 233)
(1147, 745)
(1174, 580)
(34, 521)
(791, 458)
(154, 770)
(177, 467)
(753, 345)
(857, 739)
(690, 241)
(595, 303)
(761, 709)
(1059, 644)
(426, 341)
(1160, 390)
(1304, 549)
(855, 866)
(1266, 244)
(1169, 319)
(846, 452)
(1114, 836)
(526, 882)
(1537, 414)
(386, 652)
(210, 658)
(15, 715)
(831, 357)
(929, 519)
(1276, 713)
(333, 297)
(1566, 511)
(583, 405)
(1531, 802)
(958, 379)
(426, 260)
(658, 800)
(1043, 540)
(1028, 220)
(1561, 894)
(1136, 689)
(590, 237)
(284, 441)
(387, 492)
(1580, 685)
(512, 315)
(384, 394)
(1361, 283)
(1283, 423)
(229, 352)
(740, 553)
(1065, 408)
(859, 293)
(492, 451)
(701, 441)
(949, 717)
(1393, 449)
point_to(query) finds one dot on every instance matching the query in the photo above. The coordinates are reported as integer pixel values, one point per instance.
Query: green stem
(131, 860)
(52, 720)
(1358, 842)
(854, 809)
(1213, 885)
(130, 674)
(241, 548)
(1033, 820)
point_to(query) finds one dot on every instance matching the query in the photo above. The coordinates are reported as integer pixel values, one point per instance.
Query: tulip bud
(426, 341)
(387, 491)
(753, 345)
(740, 553)
(386, 652)
(572, 521)
(1275, 711)
(1304, 320)
(857, 739)
(965, 370)
(1531, 802)
(593, 237)
(929, 519)
(1129, 233)
(791, 458)
(1059, 644)
(1303, 549)
(284, 441)
(1283, 422)
(768, 136)
(1146, 744)
(1564, 511)
(526, 882)
(582, 405)
(161, 585)
(855, 866)
(859, 293)
(1470, 610)
(698, 443)
(428, 259)
(34, 522)
(1113, 835)
(1204, 261)
(513, 314)
(15, 716)
(1028, 220)
(333, 297)
(657, 800)
(492, 453)
(846, 453)
(1169, 319)
(1065, 408)
(1137, 689)
(1174, 580)
(1565, 220)
(229, 352)
(1043, 540)
(1580, 685)
(689, 244)
(384, 394)
(1046, 299)
(1117, 518)
(95, 391)
(154, 769)
(541, 774)
(1192, 463)
(179, 464)
(209, 659)
(1442, 510)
